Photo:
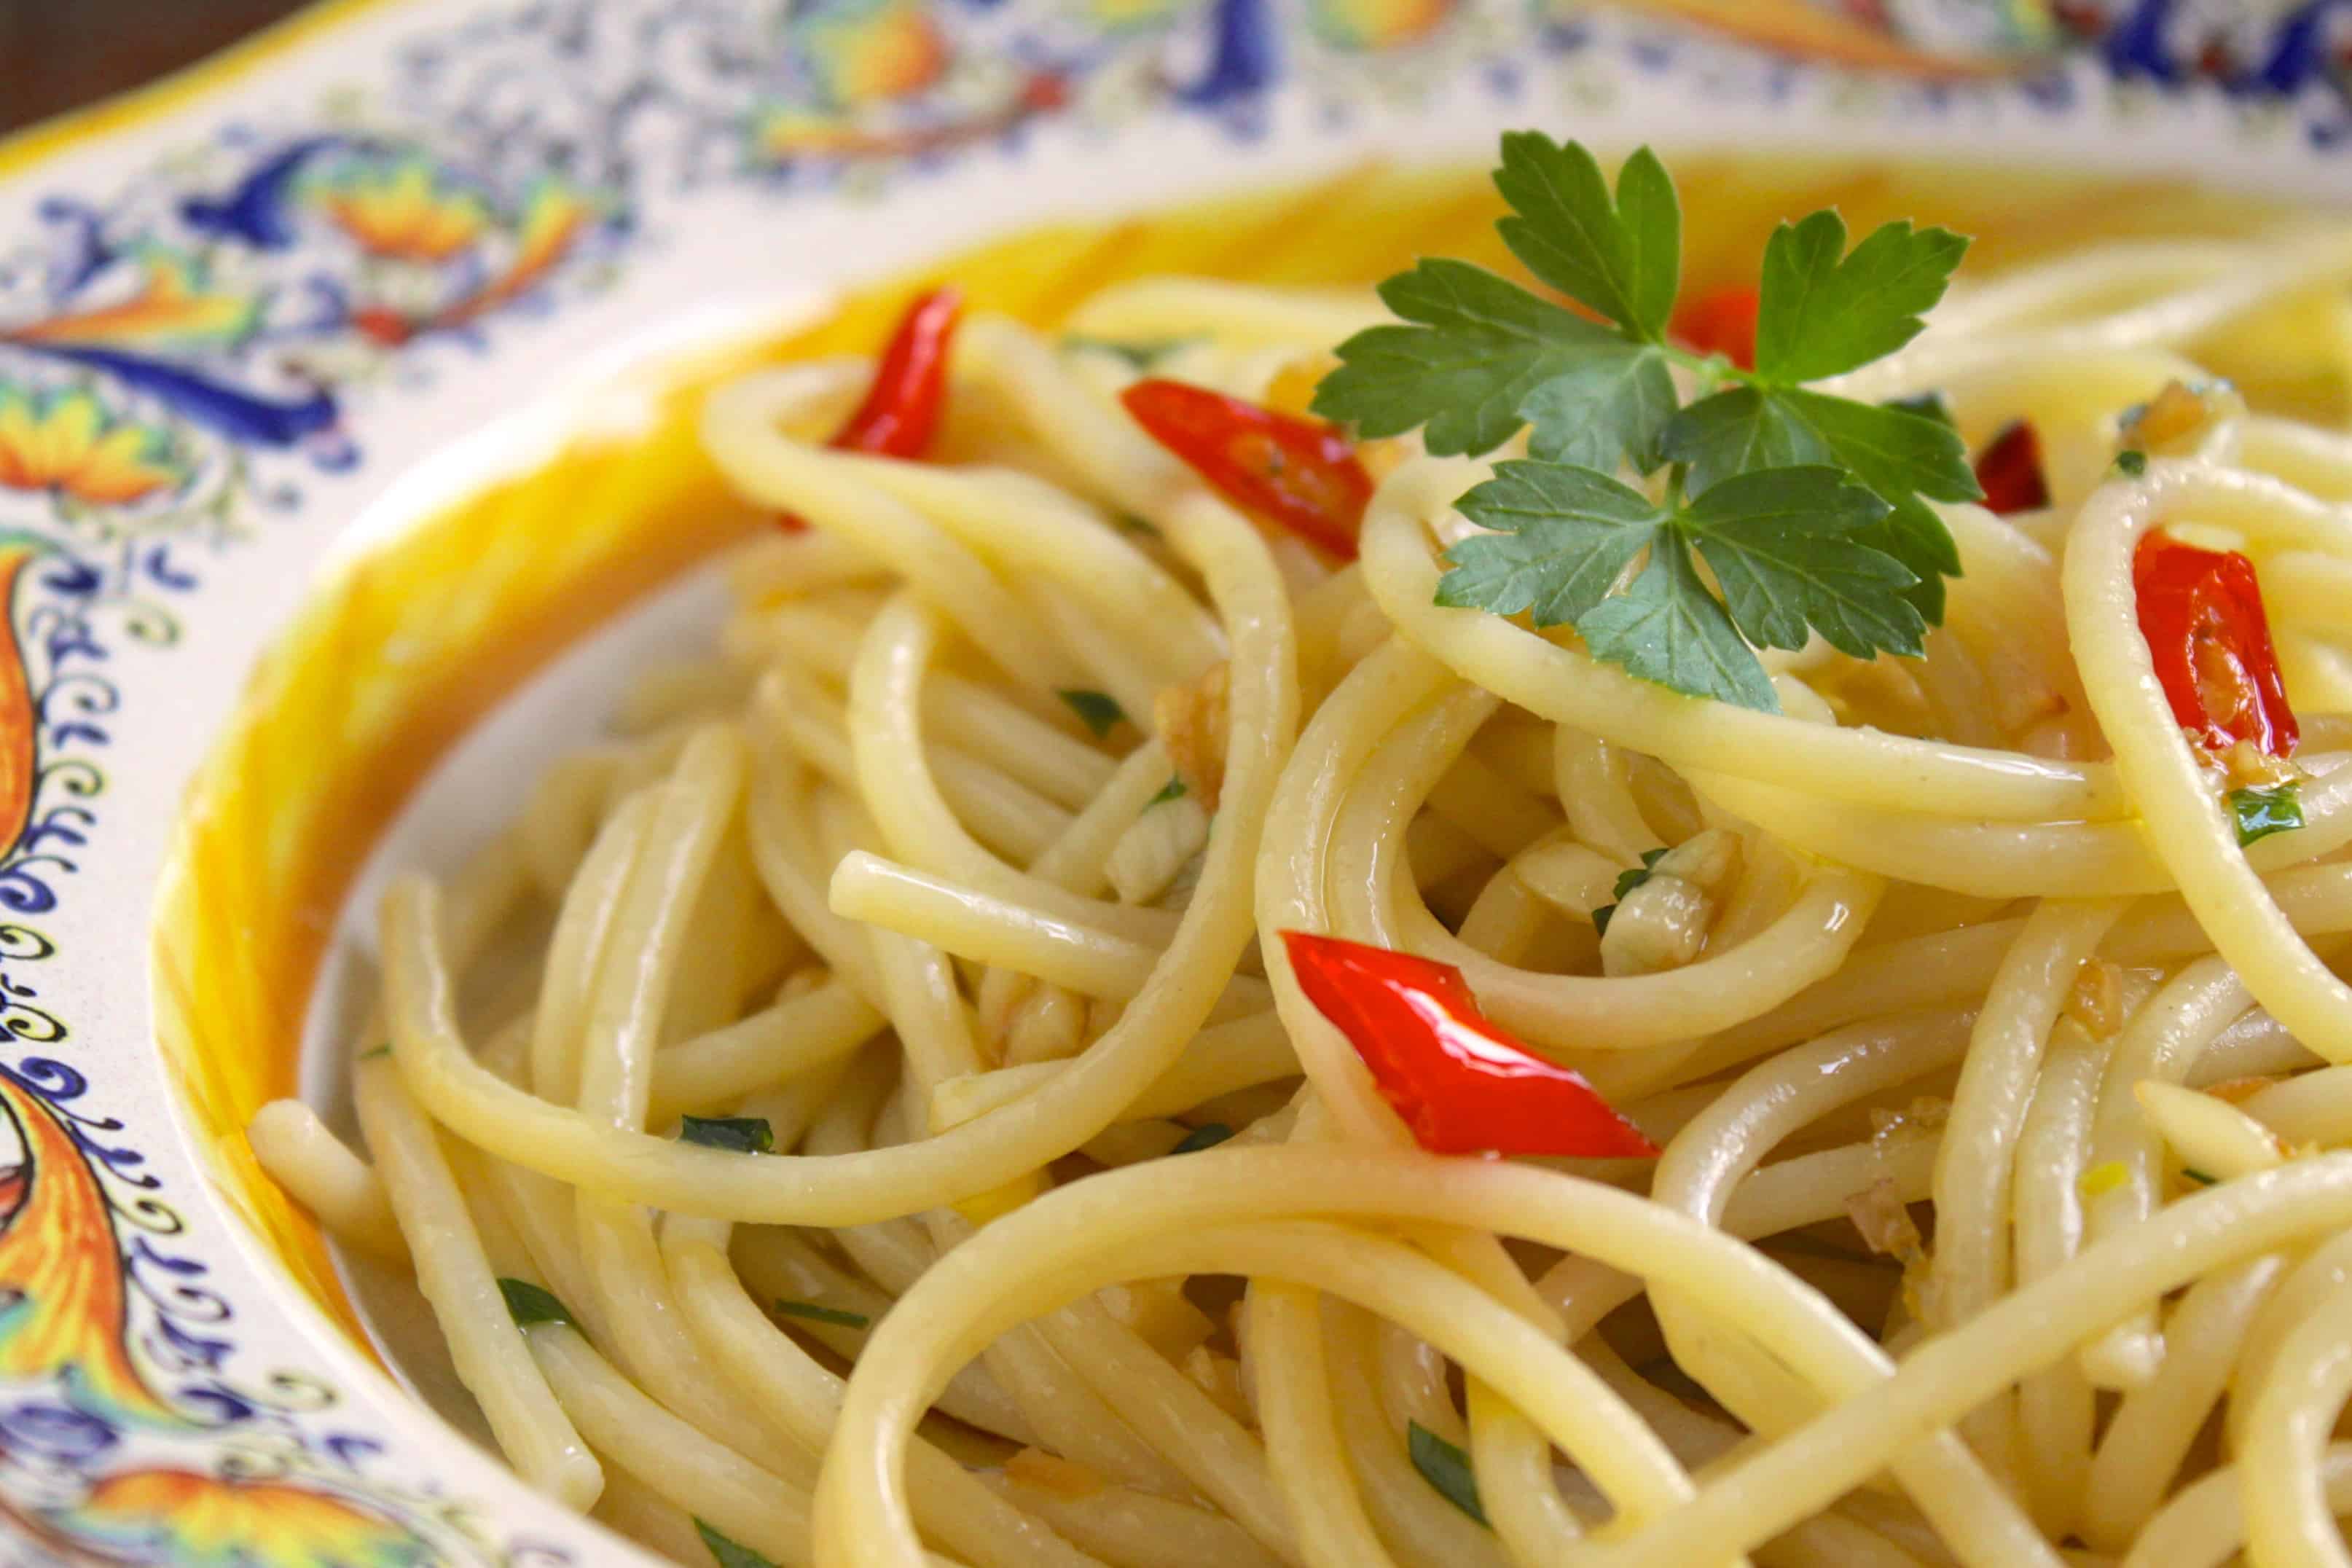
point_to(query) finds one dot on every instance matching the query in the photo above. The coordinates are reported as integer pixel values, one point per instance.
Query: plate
(347, 383)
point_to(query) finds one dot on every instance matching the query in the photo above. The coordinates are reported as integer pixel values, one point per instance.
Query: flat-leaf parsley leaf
(1808, 512)
(1825, 311)
(1562, 536)
(1478, 345)
(1624, 258)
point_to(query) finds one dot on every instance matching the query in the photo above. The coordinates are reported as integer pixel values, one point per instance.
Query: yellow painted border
(389, 663)
(223, 68)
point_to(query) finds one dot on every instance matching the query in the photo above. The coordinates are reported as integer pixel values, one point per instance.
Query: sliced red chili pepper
(1299, 473)
(2009, 470)
(902, 407)
(1723, 322)
(1461, 1084)
(2201, 612)
(901, 410)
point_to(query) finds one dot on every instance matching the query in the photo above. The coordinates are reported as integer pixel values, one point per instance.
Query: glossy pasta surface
(861, 1109)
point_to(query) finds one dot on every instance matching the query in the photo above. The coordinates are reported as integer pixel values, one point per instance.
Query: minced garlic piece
(2238, 1090)
(2176, 419)
(1660, 925)
(1707, 860)
(2095, 1000)
(1663, 923)
(1192, 721)
(1047, 1025)
(2247, 766)
(1881, 1217)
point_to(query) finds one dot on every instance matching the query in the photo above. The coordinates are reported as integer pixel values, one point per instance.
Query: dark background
(56, 55)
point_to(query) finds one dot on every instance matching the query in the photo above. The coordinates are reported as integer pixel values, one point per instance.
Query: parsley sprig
(1808, 512)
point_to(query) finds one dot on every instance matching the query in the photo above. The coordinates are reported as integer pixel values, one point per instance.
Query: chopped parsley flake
(1207, 1135)
(1099, 711)
(1140, 353)
(528, 1303)
(727, 1553)
(817, 1314)
(1446, 1469)
(2259, 811)
(741, 1134)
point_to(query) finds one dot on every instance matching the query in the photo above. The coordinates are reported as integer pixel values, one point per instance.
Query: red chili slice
(2009, 470)
(1461, 1084)
(1723, 322)
(901, 410)
(1299, 473)
(2201, 612)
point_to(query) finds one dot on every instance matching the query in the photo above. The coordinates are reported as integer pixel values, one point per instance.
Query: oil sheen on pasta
(1995, 1090)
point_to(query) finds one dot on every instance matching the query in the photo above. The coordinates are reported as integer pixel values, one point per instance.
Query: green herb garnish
(382, 1050)
(1445, 1467)
(817, 1314)
(1099, 710)
(728, 1553)
(1140, 353)
(2197, 1177)
(1130, 524)
(740, 1134)
(1634, 877)
(1809, 510)
(2261, 811)
(528, 1303)
(1172, 790)
(1207, 1135)
(2132, 462)
(1601, 919)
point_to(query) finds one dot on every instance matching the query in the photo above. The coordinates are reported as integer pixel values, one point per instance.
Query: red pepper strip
(2009, 470)
(1461, 1084)
(902, 407)
(2201, 612)
(1296, 472)
(901, 410)
(1723, 322)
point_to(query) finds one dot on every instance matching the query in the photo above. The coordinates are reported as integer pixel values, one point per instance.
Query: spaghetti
(902, 1133)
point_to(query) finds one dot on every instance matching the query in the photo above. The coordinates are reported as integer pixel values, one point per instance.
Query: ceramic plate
(346, 386)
